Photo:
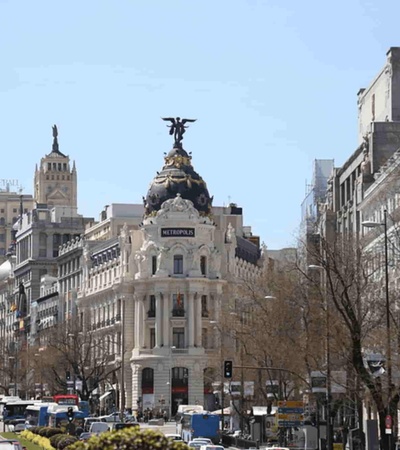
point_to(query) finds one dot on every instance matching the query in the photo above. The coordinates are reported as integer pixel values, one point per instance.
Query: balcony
(179, 351)
(178, 312)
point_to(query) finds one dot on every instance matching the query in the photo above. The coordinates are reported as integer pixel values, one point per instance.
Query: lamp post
(329, 425)
(371, 224)
(15, 373)
(214, 322)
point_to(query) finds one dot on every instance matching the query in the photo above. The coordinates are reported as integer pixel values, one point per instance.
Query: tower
(55, 183)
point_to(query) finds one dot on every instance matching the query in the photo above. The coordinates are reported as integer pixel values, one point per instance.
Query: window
(48, 166)
(152, 337)
(2, 211)
(152, 306)
(178, 337)
(153, 264)
(2, 221)
(2, 237)
(178, 305)
(178, 264)
(204, 341)
(14, 210)
(204, 310)
(203, 265)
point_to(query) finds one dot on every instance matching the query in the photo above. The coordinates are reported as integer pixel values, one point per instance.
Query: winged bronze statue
(177, 127)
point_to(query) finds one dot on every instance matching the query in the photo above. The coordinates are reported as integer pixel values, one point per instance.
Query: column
(166, 319)
(191, 321)
(158, 321)
(197, 305)
(141, 322)
(136, 322)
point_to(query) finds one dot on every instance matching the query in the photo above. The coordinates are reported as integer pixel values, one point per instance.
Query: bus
(57, 415)
(36, 415)
(16, 410)
(195, 425)
(66, 399)
(4, 399)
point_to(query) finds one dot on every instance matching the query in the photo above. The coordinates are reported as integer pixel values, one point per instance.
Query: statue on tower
(55, 140)
(177, 128)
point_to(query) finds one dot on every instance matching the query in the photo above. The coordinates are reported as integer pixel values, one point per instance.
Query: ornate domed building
(178, 177)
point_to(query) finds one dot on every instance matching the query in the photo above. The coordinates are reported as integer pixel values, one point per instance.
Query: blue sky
(272, 83)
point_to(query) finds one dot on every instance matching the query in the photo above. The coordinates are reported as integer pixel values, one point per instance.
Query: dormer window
(178, 264)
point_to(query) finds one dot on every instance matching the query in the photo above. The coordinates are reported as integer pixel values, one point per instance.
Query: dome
(178, 177)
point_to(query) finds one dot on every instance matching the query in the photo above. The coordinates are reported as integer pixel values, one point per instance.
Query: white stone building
(152, 292)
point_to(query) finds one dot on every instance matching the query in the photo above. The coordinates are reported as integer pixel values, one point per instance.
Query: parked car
(113, 417)
(195, 444)
(174, 436)
(98, 428)
(9, 444)
(85, 436)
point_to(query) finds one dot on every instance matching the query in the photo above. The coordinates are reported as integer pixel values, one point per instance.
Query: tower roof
(178, 177)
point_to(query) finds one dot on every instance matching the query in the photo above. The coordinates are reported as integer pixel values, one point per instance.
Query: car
(113, 417)
(174, 436)
(98, 427)
(212, 447)
(195, 444)
(9, 444)
(206, 440)
(116, 426)
(85, 436)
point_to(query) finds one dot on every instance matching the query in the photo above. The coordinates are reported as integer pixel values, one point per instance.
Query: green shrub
(130, 439)
(66, 442)
(52, 432)
(43, 431)
(54, 440)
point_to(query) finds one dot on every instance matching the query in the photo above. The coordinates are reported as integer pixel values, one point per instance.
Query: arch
(179, 388)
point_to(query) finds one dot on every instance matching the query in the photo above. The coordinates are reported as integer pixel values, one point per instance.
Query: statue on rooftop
(178, 127)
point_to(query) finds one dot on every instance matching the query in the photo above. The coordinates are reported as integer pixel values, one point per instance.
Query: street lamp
(214, 322)
(371, 224)
(15, 373)
(329, 425)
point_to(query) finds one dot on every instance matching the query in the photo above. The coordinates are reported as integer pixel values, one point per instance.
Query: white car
(205, 440)
(113, 417)
(174, 436)
(212, 447)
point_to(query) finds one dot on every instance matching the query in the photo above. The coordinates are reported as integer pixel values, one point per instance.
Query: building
(152, 288)
(10, 210)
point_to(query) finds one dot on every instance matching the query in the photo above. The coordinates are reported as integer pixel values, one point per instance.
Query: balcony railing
(178, 312)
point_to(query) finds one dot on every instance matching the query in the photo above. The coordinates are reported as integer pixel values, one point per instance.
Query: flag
(13, 307)
(179, 300)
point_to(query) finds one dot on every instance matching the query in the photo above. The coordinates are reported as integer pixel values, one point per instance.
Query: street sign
(290, 414)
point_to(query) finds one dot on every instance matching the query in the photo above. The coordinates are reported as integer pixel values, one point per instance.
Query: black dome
(178, 177)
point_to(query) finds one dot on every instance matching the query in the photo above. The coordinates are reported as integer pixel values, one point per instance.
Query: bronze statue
(55, 140)
(178, 127)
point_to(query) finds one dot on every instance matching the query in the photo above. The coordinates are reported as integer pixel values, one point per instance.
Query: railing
(180, 351)
(178, 312)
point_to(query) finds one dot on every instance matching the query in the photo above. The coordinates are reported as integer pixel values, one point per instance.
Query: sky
(273, 85)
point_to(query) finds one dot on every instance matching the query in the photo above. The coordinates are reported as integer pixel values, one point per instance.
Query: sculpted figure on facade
(230, 236)
(177, 204)
(141, 265)
(162, 259)
(215, 262)
(366, 164)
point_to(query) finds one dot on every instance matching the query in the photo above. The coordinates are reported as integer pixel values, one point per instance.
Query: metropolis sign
(177, 232)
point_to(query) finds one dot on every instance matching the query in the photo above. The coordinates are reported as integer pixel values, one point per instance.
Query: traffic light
(68, 375)
(70, 414)
(228, 369)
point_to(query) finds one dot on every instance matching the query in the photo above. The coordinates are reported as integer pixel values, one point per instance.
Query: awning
(227, 411)
(263, 410)
(105, 395)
